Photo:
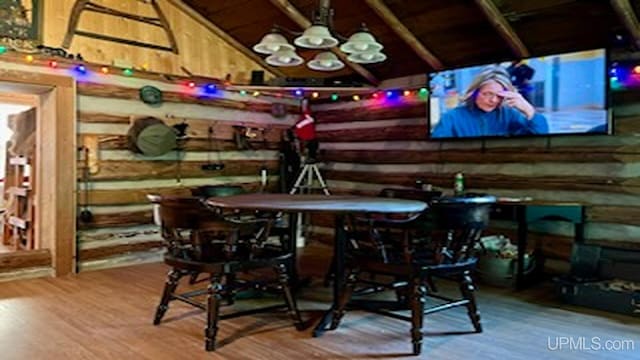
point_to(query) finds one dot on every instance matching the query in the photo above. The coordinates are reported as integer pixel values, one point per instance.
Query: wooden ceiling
(439, 33)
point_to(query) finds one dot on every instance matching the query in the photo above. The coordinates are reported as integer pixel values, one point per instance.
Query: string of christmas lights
(80, 70)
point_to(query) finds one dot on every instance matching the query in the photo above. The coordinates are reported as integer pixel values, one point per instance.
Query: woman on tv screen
(557, 94)
(491, 106)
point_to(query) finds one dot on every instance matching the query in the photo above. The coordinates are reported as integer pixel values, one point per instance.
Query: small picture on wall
(20, 20)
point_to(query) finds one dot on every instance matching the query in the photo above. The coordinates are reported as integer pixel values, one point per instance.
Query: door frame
(56, 144)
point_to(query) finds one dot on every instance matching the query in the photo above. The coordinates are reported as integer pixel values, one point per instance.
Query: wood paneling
(201, 52)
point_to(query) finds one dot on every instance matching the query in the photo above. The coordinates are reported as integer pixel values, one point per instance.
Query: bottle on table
(458, 184)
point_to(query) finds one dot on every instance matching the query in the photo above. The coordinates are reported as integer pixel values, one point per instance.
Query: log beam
(629, 19)
(287, 8)
(407, 36)
(505, 30)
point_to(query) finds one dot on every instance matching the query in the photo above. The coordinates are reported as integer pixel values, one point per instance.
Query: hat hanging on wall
(151, 137)
(151, 95)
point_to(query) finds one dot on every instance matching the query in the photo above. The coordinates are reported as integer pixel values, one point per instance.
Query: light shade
(367, 57)
(316, 37)
(271, 43)
(284, 58)
(325, 61)
(360, 42)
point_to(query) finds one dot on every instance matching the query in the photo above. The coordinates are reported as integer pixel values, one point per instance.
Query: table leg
(339, 248)
(293, 268)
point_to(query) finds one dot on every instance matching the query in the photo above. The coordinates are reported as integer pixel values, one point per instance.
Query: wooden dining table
(338, 205)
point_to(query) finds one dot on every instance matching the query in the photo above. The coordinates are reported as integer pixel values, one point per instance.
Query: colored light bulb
(127, 72)
(104, 70)
(210, 88)
(334, 97)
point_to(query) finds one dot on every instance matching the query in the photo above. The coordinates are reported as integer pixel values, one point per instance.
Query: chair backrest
(217, 190)
(181, 212)
(458, 223)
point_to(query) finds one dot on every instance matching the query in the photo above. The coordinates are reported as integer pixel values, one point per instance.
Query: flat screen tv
(549, 95)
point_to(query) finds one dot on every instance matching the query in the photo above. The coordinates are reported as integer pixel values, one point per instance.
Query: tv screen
(547, 95)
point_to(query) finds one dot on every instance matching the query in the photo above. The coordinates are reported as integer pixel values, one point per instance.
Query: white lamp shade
(284, 58)
(316, 37)
(271, 43)
(325, 61)
(360, 42)
(367, 57)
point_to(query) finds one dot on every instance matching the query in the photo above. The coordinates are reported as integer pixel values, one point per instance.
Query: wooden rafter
(407, 36)
(286, 7)
(505, 30)
(629, 19)
(224, 36)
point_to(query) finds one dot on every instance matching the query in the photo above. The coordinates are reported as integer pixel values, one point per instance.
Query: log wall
(122, 231)
(366, 146)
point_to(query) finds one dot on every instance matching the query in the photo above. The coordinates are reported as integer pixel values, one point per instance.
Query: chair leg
(213, 309)
(467, 289)
(169, 288)
(418, 293)
(193, 277)
(283, 279)
(347, 292)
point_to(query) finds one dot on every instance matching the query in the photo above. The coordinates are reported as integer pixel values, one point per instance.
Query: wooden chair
(448, 253)
(206, 191)
(201, 241)
(398, 230)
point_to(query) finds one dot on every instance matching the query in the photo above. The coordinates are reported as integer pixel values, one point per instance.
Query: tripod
(309, 170)
(307, 173)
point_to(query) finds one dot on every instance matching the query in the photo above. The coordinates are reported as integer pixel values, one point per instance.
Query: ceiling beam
(224, 36)
(407, 36)
(505, 30)
(629, 19)
(286, 7)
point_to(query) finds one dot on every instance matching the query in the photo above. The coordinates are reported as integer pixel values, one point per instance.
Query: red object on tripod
(305, 128)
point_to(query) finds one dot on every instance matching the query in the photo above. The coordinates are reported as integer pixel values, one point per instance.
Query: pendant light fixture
(362, 46)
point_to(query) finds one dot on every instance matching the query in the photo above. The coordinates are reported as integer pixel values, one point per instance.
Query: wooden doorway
(55, 161)
(18, 123)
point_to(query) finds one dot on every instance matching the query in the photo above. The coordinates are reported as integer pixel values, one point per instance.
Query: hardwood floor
(107, 314)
